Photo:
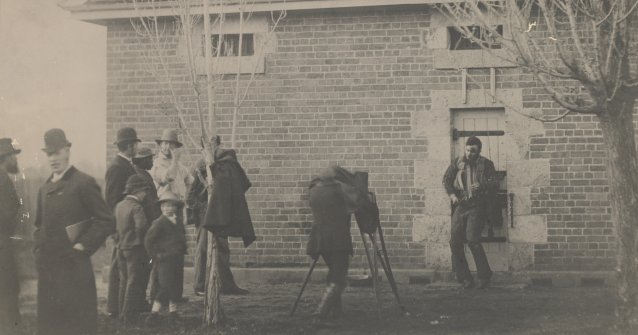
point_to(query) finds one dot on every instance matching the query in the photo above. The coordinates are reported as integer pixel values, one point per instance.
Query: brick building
(377, 86)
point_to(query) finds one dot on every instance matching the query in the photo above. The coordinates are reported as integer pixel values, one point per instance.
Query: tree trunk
(213, 314)
(622, 174)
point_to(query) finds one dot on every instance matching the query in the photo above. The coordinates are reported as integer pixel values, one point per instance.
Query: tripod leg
(385, 262)
(375, 277)
(303, 287)
(372, 262)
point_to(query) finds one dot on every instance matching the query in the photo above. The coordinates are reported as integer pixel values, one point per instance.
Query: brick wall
(343, 86)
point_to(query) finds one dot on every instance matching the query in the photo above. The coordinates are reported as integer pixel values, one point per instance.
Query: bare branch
(514, 108)
(629, 12)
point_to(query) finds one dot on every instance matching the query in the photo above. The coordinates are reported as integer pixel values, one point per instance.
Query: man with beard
(470, 182)
(9, 205)
(118, 172)
(143, 163)
(170, 175)
(72, 221)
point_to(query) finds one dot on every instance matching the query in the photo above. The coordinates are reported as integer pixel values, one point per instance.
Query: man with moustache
(9, 206)
(470, 182)
(118, 172)
(72, 221)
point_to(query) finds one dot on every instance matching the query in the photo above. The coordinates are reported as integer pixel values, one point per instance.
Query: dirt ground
(433, 309)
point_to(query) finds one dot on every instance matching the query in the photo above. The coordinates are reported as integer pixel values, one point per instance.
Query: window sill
(230, 65)
(462, 59)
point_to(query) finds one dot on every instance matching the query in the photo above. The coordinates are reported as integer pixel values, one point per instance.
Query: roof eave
(98, 13)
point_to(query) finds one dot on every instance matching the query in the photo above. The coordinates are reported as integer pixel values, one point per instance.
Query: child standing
(165, 242)
(131, 227)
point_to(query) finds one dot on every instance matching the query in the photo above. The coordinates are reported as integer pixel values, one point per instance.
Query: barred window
(458, 40)
(230, 45)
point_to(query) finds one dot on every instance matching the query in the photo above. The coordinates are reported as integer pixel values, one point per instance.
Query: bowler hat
(143, 153)
(127, 134)
(54, 140)
(170, 135)
(135, 183)
(6, 147)
(170, 196)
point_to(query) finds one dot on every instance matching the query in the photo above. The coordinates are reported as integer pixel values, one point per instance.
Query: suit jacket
(227, 213)
(485, 177)
(9, 206)
(131, 223)
(74, 198)
(117, 174)
(165, 239)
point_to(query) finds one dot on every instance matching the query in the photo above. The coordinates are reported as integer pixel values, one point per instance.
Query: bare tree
(160, 34)
(580, 52)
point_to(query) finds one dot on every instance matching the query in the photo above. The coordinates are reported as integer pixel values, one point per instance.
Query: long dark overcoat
(67, 299)
(227, 213)
(9, 206)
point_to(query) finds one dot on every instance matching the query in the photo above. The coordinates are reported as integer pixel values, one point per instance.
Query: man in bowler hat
(118, 172)
(9, 206)
(72, 221)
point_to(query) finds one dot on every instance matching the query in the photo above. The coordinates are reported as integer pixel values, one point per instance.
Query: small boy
(131, 227)
(165, 242)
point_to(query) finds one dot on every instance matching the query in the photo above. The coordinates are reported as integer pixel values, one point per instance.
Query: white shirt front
(57, 176)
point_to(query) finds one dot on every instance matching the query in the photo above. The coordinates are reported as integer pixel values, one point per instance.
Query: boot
(337, 308)
(325, 306)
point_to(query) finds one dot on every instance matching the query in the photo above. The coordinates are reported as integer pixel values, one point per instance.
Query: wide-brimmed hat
(136, 183)
(143, 153)
(7, 148)
(126, 134)
(170, 196)
(54, 140)
(170, 135)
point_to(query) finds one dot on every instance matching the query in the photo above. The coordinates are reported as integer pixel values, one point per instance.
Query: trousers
(113, 293)
(338, 263)
(134, 272)
(201, 256)
(467, 225)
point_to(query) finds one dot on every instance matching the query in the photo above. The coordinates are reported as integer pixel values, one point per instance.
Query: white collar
(172, 219)
(133, 197)
(128, 159)
(58, 176)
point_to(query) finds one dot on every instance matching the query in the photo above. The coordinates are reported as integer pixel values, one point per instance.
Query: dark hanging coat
(67, 298)
(333, 199)
(197, 198)
(227, 213)
(9, 286)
